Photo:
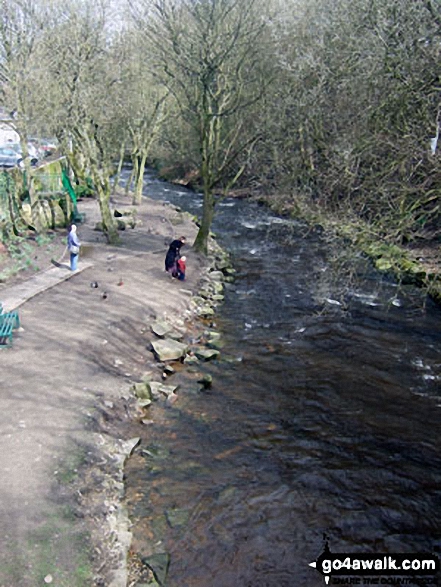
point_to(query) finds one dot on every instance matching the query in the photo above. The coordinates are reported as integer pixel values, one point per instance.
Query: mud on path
(65, 398)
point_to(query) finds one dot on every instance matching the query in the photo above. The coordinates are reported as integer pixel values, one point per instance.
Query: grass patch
(58, 548)
(68, 471)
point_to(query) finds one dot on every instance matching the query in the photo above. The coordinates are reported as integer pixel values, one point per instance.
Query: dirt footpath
(82, 344)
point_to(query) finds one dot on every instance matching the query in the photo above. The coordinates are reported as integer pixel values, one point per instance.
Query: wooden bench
(8, 322)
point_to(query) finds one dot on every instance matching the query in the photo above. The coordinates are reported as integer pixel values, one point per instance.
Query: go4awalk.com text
(378, 569)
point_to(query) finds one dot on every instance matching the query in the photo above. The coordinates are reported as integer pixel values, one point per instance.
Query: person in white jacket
(73, 245)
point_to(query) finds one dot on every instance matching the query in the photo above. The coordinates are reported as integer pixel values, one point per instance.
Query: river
(322, 423)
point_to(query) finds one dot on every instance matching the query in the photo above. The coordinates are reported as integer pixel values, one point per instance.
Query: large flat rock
(169, 350)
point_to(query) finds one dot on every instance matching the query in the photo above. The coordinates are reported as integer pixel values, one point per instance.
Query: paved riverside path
(16, 295)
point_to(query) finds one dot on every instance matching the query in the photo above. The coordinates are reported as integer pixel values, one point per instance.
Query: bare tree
(81, 85)
(206, 54)
(146, 107)
(21, 25)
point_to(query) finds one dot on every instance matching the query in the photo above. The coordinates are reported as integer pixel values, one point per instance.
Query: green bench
(8, 322)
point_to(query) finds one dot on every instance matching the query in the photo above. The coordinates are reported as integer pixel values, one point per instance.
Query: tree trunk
(129, 181)
(201, 242)
(139, 180)
(103, 191)
(119, 168)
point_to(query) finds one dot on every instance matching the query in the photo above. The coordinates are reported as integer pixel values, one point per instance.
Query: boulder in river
(158, 564)
(206, 354)
(206, 381)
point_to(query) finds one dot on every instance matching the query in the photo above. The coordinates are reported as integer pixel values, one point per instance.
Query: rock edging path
(66, 394)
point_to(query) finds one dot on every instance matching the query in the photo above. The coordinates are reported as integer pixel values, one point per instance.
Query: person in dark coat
(173, 254)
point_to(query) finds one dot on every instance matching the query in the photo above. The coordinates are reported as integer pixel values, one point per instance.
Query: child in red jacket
(181, 266)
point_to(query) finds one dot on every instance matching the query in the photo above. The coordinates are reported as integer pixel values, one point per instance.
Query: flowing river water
(323, 419)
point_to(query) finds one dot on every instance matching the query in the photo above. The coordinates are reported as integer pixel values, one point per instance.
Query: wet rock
(169, 350)
(128, 447)
(175, 335)
(218, 288)
(156, 395)
(197, 301)
(205, 293)
(205, 311)
(158, 564)
(217, 275)
(143, 391)
(161, 328)
(177, 517)
(214, 341)
(206, 354)
(223, 263)
(147, 422)
(206, 381)
(159, 388)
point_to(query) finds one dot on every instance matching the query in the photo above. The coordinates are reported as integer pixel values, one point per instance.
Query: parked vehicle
(34, 155)
(45, 147)
(48, 146)
(10, 158)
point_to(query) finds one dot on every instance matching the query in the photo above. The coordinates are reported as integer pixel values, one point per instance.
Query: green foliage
(43, 240)
(85, 189)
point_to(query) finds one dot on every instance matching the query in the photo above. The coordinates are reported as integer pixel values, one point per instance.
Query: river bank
(416, 262)
(68, 394)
